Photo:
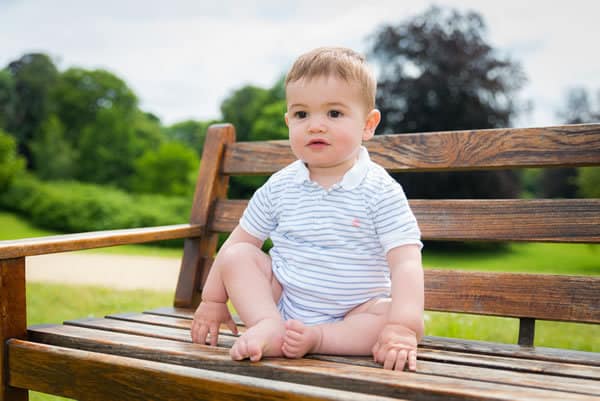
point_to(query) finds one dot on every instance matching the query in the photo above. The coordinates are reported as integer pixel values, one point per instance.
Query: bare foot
(263, 339)
(300, 339)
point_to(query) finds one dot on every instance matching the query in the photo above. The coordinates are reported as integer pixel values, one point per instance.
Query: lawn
(54, 303)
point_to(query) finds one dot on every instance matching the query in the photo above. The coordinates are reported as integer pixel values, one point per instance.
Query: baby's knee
(234, 255)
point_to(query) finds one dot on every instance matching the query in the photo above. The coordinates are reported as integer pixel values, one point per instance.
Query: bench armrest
(96, 239)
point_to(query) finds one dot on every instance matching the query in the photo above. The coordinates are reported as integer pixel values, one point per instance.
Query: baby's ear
(373, 119)
(285, 116)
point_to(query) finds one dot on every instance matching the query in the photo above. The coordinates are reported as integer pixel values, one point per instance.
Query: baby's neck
(325, 181)
(327, 177)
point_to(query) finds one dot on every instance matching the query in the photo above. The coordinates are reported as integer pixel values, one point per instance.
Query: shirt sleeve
(394, 221)
(257, 220)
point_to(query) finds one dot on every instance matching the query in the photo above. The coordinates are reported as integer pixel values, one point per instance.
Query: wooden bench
(149, 356)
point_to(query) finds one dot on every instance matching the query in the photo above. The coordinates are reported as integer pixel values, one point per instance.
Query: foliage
(588, 181)
(569, 182)
(438, 73)
(10, 163)
(33, 78)
(247, 106)
(75, 207)
(190, 133)
(169, 170)
(53, 156)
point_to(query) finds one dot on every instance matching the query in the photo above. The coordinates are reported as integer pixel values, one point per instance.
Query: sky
(183, 57)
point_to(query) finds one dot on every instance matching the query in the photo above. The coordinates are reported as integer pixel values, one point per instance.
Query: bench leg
(13, 320)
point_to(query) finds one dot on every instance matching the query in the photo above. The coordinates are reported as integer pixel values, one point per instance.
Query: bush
(76, 207)
(10, 163)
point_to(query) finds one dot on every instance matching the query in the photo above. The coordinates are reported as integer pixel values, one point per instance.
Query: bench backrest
(566, 298)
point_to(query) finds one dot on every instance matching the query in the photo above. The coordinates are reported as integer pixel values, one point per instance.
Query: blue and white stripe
(329, 246)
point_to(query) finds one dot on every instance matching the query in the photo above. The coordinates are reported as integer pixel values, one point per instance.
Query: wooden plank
(543, 220)
(318, 373)
(211, 184)
(56, 370)
(572, 145)
(96, 239)
(539, 296)
(458, 345)
(13, 319)
(511, 350)
(144, 326)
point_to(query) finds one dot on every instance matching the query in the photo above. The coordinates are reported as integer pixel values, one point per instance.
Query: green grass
(582, 259)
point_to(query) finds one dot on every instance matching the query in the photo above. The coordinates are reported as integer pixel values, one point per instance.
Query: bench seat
(146, 346)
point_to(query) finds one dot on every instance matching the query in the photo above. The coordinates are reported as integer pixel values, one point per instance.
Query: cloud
(183, 57)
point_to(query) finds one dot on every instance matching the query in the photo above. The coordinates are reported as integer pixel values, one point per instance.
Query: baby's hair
(339, 62)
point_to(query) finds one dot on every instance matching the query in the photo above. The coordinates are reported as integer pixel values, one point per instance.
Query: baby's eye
(335, 113)
(300, 114)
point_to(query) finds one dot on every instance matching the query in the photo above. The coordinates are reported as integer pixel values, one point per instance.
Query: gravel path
(107, 270)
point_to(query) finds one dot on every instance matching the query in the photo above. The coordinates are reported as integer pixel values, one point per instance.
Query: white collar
(351, 179)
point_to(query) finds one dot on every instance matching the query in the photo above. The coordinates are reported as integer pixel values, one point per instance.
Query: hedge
(77, 207)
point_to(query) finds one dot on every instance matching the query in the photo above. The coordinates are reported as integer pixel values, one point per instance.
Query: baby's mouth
(317, 142)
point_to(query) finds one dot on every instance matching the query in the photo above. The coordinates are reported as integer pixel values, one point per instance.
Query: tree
(257, 114)
(437, 73)
(34, 76)
(53, 156)
(585, 181)
(170, 170)
(10, 163)
(191, 133)
(80, 95)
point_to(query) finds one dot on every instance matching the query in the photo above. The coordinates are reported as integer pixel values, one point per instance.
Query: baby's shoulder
(379, 179)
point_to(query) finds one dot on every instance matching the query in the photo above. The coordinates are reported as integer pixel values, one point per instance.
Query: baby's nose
(316, 125)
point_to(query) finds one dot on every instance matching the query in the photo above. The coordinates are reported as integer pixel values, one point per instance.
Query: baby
(344, 275)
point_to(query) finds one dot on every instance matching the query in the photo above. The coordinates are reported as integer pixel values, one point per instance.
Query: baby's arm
(398, 340)
(213, 310)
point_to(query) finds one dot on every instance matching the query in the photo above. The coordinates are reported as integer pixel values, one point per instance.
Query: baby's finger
(374, 350)
(214, 334)
(199, 332)
(412, 360)
(390, 359)
(400, 360)
(232, 326)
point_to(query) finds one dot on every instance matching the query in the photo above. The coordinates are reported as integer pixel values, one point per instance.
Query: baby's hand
(207, 319)
(396, 346)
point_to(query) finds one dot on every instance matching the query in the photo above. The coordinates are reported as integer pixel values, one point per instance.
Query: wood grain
(572, 145)
(548, 361)
(210, 185)
(96, 239)
(13, 319)
(56, 370)
(542, 220)
(333, 375)
(539, 296)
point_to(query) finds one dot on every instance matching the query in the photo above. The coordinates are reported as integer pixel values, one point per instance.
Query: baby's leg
(253, 290)
(355, 335)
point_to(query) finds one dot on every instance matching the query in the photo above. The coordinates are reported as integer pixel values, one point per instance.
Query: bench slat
(303, 371)
(51, 369)
(573, 145)
(544, 220)
(539, 296)
(543, 363)
(425, 367)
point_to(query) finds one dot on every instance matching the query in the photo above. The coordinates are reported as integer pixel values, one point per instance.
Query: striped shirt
(329, 246)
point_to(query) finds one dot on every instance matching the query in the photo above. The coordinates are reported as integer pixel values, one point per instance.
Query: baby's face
(327, 121)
